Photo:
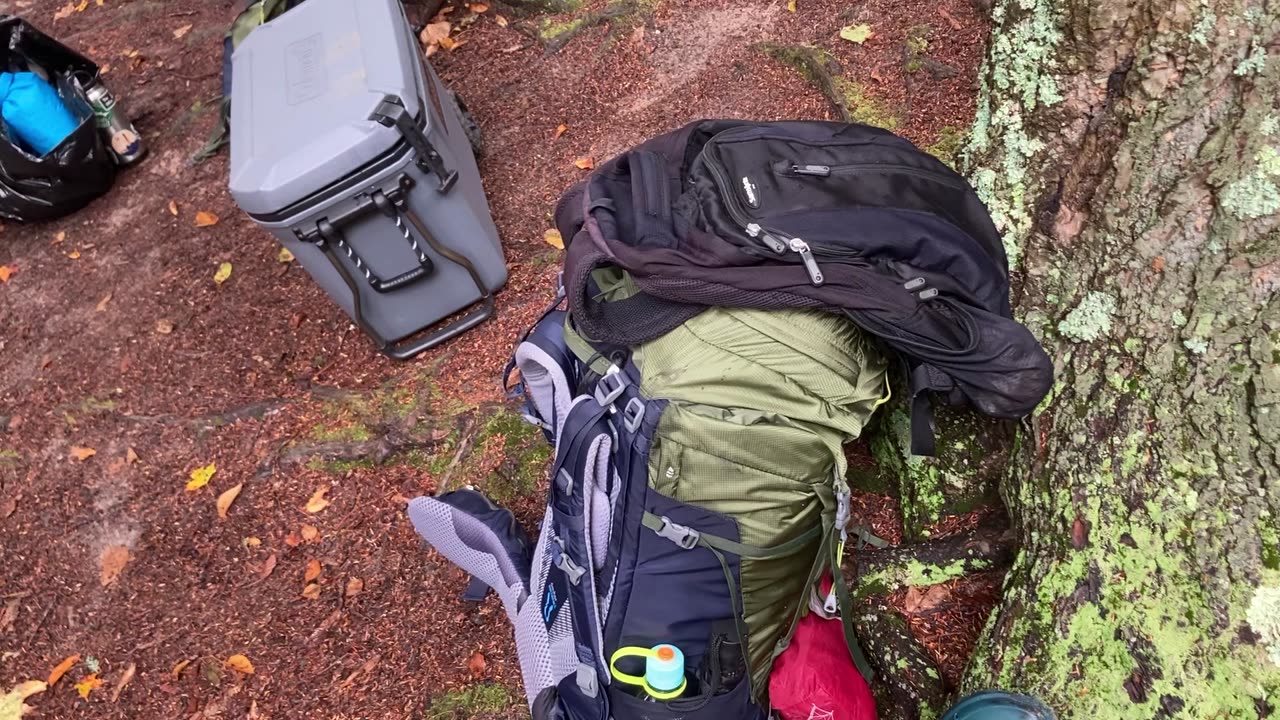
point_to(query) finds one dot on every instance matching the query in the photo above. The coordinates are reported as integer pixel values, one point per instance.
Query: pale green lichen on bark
(1091, 319)
(1264, 619)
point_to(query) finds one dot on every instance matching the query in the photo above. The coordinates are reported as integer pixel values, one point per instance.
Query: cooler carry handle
(391, 112)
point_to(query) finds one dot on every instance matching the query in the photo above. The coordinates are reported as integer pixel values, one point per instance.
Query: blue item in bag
(34, 112)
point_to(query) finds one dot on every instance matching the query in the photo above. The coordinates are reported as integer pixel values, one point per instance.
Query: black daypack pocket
(733, 705)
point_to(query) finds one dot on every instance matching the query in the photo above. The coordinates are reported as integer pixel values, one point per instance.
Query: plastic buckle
(564, 482)
(532, 420)
(686, 537)
(633, 414)
(588, 683)
(610, 386)
(570, 568)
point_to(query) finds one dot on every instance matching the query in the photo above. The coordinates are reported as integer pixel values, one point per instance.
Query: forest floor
(126, 367)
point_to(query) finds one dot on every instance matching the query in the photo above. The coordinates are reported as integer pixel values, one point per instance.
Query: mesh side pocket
(544, 627)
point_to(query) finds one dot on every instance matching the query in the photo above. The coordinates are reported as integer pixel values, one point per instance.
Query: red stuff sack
(815, 679)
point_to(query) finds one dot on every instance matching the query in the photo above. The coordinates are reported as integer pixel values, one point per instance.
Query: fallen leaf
(267, 567)
(875, 75)
(448, 43)
(919, 600)
(791, 5)
(478, 7)
(252, 542)
(164, 327)
(365, 669)
(61, 669)
(74, 254)
(11, 705)
(292, 539)
(312, 591)
(82, 453)
(240, 663)
(227, 497)
(88, 684)
(502, 22)
(857, 33)
(355, 586)
(201, 476)
(317, 501)
(6, 272)
(951, 19)
(561, 129)
(284, 255)
(223, 273)
(206, 219)
(553, 238)
(312, 572)
(477, 664)
(584, 163)
(178, 667)
(433, 32)
(173, 206)
(177, 34)
(102, 304)
(62, 235)
(310, 533)
(113, 560)
(65, 11)
(126, 677)
(7, 507)
(83, 4)
(130, 456)
(1157, 263)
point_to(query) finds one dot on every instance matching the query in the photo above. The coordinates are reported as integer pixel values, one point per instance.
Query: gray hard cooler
(346, 146)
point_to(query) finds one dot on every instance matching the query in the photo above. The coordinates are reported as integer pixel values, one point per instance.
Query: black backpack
(848, 218)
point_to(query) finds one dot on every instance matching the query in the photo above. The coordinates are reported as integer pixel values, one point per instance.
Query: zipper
(812, 170)
(801, 248)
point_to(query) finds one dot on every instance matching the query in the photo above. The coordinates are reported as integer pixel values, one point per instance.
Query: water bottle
(996, 705)
(664, 677)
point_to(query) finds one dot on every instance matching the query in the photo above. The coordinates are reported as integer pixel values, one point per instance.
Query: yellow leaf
(6, 272)
(312, 572)
(61, 669)
(178, 667)
(791, 5)
(285, 256)
(177, 34)
(130, 456)
(449, 43)
(173, 206)
(226, 498)
(113, 560)
(74, 254)
(354, 587)
(206, 219)
(561, 129)
(83, 4)
(857, 33)
(502, 22)
(99, 3)
(224, 272)
(433, 32)
(240, 663)
(11, 705)
(478, 7)
(252, 541)
(317, 501)
(62, 235)
(82, 453)
(201, 476)
(552, 237)
(584, 163)
(102, 304)
(88, 683)
(310, 533)
(311, 592)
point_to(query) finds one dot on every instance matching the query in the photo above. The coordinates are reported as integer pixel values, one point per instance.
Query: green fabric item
(760, 405)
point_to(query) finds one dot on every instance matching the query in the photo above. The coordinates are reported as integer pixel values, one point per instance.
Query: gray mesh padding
(547, 654)
(544, 384)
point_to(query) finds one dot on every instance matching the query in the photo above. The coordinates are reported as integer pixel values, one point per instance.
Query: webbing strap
(846, 616)
(715, 542)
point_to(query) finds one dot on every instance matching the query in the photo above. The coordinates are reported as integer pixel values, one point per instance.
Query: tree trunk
(1129, 154)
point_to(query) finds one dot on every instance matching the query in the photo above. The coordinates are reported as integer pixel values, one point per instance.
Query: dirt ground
(115, 338)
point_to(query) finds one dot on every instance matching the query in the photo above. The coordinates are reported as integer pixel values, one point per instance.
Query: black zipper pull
(801, 248)
(815, 170)
(763, 235)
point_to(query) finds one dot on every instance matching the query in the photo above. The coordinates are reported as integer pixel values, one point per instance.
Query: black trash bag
(80, 168)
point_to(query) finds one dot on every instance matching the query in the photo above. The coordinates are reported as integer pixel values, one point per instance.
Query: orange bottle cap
(666, 654)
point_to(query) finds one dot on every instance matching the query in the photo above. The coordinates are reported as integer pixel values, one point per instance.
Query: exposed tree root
(904, 670)
(817, 66)
(253, 411)
(929, 563)
(556, 37)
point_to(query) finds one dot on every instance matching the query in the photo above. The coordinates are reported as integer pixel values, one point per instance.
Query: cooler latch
(392, 113)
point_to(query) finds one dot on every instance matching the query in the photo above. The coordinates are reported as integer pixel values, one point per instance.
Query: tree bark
(1128, 152)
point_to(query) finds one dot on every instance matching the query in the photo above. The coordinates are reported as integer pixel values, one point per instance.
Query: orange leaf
(206, 219)
(173, 206)
(56, 674)
(267, 567)
(113, 560)
(354, 587)
(478, 7)
(311, 592)
(240, 663)
(88, 684)
(292, 539)
(82, 453)
(561, 129)
(252, 541)
(448, 43)
(477, 664)
(310, 533)
(317, 501)
(6, 272)
(584, 163)
(313, 570)
(226, 498)
(102, 304)
(1158, 263)
(130, 456)
(74, 254)
(181, 665)
(62, 235)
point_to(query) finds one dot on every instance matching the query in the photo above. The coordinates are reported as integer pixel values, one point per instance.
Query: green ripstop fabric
(760, 404)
